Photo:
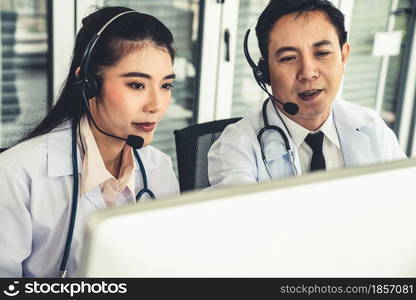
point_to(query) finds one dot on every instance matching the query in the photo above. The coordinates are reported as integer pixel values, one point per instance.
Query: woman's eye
(167, 86)
(287, 58)
(136, 85)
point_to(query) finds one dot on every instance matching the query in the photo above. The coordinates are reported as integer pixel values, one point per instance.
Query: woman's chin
(148, 138)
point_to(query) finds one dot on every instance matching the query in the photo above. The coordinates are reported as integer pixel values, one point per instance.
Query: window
(372, 79)
(24, 79)
(182, 18)
(247, 94)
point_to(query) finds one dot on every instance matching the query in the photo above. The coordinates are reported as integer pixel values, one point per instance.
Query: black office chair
(192, 146)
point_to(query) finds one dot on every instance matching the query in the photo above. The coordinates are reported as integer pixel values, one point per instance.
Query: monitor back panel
(362, 225)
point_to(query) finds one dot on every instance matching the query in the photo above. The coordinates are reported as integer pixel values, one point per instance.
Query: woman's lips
(146, 126)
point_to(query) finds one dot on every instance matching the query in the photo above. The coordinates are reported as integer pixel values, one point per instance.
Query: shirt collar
(94, 171)
(299, 133)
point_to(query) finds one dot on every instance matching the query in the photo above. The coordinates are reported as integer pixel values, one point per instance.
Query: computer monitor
(358, 222)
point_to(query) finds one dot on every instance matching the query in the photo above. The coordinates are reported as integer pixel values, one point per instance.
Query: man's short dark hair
(278, 8)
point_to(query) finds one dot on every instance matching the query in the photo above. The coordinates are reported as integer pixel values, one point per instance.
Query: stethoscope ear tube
(75, 188)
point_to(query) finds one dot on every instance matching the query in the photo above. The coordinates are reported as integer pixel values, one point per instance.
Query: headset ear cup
(91, 86)
(78, 85)
(264, 71)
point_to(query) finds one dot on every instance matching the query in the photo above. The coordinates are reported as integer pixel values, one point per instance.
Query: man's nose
(308, 70)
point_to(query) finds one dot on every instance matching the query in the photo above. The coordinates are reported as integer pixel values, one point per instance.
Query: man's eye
(323, 53)
(167, 86)
(287, 58)
(136, 85)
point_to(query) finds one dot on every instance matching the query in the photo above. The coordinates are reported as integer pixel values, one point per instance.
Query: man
(304, 52)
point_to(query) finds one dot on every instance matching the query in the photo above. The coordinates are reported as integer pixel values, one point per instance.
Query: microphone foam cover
(135, 141)
(291, 108)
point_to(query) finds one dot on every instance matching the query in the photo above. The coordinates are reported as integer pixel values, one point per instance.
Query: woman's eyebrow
(144, 75)
(136, 74)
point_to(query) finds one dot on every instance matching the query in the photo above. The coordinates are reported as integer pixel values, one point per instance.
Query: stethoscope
(267, 127)
(261, 75)
(75, 190)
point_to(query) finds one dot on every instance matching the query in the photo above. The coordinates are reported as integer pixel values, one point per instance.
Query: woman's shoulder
(150, 153)
(26, 152)
(32, 154)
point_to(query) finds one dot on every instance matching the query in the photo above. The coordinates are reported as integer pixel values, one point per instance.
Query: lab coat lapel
(355, 145)
(60, 160)
(60, 151)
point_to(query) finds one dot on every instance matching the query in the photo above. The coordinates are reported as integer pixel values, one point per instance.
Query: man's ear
(345, 53)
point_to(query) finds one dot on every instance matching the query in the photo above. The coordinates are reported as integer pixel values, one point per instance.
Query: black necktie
(315, 142)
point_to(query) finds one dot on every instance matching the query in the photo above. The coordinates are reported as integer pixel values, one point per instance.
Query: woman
(117, 90)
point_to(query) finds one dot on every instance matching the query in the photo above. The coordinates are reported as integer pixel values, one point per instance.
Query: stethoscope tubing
(75, 191)
(267, 127)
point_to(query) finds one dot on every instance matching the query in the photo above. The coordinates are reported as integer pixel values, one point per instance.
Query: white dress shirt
(331, 146)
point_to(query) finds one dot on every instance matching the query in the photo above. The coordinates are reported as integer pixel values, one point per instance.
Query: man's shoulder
(250, 123)
(354, 113)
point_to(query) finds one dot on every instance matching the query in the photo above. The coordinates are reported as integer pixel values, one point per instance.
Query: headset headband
(87, 54)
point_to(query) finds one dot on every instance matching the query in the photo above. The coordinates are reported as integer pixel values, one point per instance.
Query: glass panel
(23, 69)
(246, 93)
(395, 65)
(364, 70)
(182, 18)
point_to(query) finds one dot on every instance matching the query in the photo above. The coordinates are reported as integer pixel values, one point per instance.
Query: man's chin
(312, 115)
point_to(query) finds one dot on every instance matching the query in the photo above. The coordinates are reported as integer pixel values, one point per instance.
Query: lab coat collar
(95, 196)
(352, 130)
(351, 127)
(60, 151)
(299, 132)
(149, 162)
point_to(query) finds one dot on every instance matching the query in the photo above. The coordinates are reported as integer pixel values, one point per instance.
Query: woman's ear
(77, 72)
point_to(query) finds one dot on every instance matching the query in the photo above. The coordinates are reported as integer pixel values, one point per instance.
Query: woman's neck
(110, 150)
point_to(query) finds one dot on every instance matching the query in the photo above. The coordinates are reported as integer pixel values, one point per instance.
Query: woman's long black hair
(121, 36)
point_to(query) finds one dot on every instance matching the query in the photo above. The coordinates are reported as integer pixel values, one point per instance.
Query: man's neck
(311, 124)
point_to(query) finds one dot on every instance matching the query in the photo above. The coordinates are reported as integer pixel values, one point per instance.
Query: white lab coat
(235, 158)
(35, 201)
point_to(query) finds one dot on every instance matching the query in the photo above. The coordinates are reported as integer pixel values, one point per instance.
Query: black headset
(262, 75)
(261, 70)
(88, 83)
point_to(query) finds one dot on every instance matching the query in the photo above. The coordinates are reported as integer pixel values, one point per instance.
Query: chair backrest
(192, 146)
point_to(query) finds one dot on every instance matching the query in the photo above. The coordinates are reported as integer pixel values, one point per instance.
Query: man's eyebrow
(286, 48)
(144, 75)
(289, 48)
(322, 43)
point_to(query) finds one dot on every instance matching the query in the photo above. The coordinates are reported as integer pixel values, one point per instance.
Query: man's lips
(145, 126)
(309, 95)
